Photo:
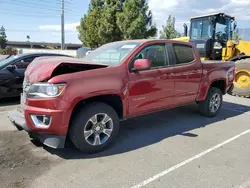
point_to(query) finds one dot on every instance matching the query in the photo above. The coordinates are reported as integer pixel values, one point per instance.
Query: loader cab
(210, 34)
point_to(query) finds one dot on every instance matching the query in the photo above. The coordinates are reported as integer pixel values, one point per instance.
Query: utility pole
(62, 25)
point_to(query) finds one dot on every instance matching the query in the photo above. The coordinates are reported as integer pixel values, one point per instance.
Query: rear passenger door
(187, 74)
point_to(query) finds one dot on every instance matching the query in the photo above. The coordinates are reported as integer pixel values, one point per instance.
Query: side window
(155, 53)
(184, 53)
(23, 64)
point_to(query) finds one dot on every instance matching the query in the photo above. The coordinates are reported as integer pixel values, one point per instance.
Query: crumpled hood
(42, 68)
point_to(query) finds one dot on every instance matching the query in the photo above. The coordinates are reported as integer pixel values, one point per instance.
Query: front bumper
(18, 120)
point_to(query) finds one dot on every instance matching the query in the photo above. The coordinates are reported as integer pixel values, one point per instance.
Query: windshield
(7, 61)
(201, 30)
(111, 54)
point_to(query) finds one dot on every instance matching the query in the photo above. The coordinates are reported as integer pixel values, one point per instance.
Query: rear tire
(211, 106)
(89, 132)
(244, 65)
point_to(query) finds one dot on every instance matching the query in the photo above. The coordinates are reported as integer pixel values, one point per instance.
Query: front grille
(26, 87)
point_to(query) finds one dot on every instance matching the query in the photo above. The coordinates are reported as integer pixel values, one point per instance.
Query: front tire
(211, 106)
(94, 128)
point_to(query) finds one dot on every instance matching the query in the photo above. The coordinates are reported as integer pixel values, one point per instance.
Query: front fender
(79, 90)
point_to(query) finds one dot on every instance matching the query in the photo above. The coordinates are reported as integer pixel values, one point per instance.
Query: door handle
(168, 74)
(195, 71)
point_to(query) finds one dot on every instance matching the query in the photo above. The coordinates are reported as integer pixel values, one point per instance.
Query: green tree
(3, 38)
(109, 30)
(135, 20)
(168, 31)
(114, 20)
(90, 25)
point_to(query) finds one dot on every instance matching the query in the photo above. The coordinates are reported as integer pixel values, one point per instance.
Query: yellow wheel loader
(213, 36)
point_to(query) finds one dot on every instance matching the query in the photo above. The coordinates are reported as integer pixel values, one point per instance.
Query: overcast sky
(41, 19)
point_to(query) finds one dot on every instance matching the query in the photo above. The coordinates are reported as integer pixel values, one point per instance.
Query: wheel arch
(217, 83)
(220, 84)
(113, 100)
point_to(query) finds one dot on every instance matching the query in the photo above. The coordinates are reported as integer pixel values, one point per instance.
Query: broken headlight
(44, 90)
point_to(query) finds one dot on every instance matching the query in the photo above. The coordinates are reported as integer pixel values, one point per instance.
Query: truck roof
(142, 41)
(213, 14)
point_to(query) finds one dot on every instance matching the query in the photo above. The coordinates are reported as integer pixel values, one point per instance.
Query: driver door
(152, 89)
(12, 79)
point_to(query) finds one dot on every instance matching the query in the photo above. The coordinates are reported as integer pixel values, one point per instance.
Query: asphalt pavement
(173, 148)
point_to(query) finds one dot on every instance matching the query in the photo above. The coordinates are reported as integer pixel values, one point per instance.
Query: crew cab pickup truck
(82, 101)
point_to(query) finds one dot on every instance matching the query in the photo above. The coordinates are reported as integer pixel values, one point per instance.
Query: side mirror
(235, 26)
(11, 67)
(141, 64)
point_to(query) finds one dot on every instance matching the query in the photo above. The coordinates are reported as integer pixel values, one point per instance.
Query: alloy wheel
(98, 129)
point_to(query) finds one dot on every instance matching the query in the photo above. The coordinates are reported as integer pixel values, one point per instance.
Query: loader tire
(241, 85)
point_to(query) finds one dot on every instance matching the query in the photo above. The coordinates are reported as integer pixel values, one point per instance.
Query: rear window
(184, 53)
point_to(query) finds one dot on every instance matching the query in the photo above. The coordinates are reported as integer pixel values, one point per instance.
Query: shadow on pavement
(9, 101)
(150, 129)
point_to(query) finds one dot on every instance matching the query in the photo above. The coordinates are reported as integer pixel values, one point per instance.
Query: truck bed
(209, 64)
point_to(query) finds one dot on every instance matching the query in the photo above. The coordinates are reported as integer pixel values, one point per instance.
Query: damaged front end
(36, 82)
(42, 118)
(42, 110)
(42, 69)
(67, 68)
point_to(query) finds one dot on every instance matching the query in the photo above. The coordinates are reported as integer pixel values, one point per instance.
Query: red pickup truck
(82, 101)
